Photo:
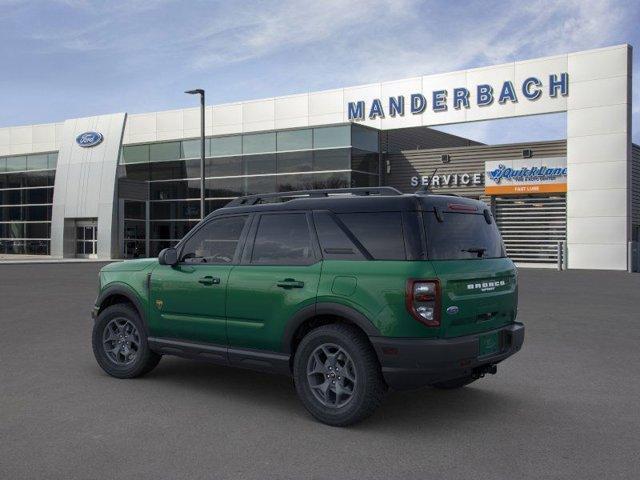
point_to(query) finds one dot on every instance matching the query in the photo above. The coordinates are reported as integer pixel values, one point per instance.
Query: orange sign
(539, 188)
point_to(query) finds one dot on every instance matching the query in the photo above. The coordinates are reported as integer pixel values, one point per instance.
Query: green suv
(349, 291)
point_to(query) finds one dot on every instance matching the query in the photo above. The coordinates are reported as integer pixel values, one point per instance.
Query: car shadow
(399, 412)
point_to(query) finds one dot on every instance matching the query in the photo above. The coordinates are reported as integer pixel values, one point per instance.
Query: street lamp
(200, 91)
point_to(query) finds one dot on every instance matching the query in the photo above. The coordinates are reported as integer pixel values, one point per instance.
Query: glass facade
(26, 196)
(301, 159)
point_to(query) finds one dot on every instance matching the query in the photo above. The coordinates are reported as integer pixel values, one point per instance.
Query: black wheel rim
(331, 375)
(121, 341)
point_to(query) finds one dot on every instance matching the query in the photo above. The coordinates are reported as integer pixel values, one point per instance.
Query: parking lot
(564, 407)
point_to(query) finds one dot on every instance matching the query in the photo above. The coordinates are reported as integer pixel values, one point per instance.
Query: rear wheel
(120, 343)
(455, 383)
(337, 375)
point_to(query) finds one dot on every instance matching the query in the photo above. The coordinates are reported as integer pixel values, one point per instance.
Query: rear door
(278, 276)
(478, 283)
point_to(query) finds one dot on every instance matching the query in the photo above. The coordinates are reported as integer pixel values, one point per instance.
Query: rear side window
(462, 236)
(380, 233)
(283, 239)
(334, 242)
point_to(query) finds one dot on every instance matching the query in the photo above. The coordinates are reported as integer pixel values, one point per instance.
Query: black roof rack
(361, 191)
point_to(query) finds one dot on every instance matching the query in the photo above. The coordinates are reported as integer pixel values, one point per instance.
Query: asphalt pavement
(567, 406)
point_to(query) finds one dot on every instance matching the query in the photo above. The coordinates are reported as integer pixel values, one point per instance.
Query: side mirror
(168, 256)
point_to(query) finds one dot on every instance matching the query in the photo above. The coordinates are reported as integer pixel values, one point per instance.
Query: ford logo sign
(89, 139)
(453, 310)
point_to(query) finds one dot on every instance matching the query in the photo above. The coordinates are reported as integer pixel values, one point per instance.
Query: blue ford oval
(89, 139)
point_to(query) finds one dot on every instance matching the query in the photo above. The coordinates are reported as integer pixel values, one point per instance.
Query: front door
(187, 301)
(86, 239)
(278, 276)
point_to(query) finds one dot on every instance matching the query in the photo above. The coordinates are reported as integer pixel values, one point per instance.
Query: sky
(75, 58)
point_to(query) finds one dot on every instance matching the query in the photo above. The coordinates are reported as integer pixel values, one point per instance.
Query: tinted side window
(283, 239)
(216, 242)
(334, 242)
(380, 233)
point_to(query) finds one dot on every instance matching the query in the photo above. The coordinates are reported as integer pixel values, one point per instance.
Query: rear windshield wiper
(479, 251)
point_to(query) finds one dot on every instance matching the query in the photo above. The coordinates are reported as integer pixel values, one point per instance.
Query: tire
(455, 383)
(132, 358)
(341, 354)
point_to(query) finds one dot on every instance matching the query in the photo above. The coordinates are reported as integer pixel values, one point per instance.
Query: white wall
(85, 185)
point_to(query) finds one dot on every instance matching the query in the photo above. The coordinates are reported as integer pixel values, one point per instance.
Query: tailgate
(477, 295)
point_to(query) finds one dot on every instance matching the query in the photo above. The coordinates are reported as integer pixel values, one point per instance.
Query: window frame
(194, 231)
(247, 252)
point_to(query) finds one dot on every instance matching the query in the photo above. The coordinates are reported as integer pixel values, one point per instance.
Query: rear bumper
(416, 362)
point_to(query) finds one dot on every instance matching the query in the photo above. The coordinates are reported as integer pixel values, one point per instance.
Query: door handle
(209, 280)
(290, 283)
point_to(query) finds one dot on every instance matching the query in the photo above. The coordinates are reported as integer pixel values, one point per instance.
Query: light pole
(200, 91)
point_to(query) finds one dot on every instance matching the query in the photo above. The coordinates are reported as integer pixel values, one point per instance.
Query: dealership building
(127, 185)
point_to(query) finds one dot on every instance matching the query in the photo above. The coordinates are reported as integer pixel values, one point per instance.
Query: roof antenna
(426, 189)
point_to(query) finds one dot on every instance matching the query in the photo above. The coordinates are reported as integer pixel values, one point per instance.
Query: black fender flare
(127, 292)
(326, 308)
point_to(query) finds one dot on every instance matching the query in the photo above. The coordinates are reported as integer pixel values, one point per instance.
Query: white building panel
(227, 119)
(601, 175)
(598, 93)
(598, 148)
(597, 120)
(599, 63)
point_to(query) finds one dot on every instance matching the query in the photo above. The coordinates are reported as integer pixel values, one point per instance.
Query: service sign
(532, 175)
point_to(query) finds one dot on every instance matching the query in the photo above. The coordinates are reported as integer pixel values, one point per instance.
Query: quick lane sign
(482, 95)
(542, 175)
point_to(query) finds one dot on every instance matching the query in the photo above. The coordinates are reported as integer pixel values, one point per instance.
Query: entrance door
(187, 301)
(87, 239)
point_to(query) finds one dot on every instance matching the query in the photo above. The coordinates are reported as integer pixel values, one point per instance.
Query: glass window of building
(225, 146)
(364, 138)
(38, 162)
(17, 164)
(191, 148)
(162, 152)
(259, 143)
(295, 140)
(223, 166)
(339, 159)
(135, 153)
(295, 162)
(260, 164)
(331, 137)
(26, 196)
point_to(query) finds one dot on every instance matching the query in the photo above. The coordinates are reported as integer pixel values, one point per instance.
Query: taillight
(423, 301)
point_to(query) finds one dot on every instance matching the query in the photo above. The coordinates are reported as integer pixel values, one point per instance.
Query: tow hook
(480, 372)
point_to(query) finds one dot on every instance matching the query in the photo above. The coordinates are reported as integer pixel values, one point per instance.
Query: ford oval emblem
(89, 139)
(452, 310)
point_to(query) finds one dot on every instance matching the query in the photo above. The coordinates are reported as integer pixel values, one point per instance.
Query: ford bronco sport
(350, 291)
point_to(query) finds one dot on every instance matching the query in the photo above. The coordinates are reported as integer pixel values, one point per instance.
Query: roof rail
(361, 191)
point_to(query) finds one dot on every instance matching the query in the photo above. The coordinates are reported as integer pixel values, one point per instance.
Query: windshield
(461, 236)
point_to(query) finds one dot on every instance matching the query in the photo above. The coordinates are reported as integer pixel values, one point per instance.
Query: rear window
(462, 236)
(380, 233)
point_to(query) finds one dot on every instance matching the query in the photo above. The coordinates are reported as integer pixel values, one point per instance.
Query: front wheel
(120, 343)
(337, 375)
